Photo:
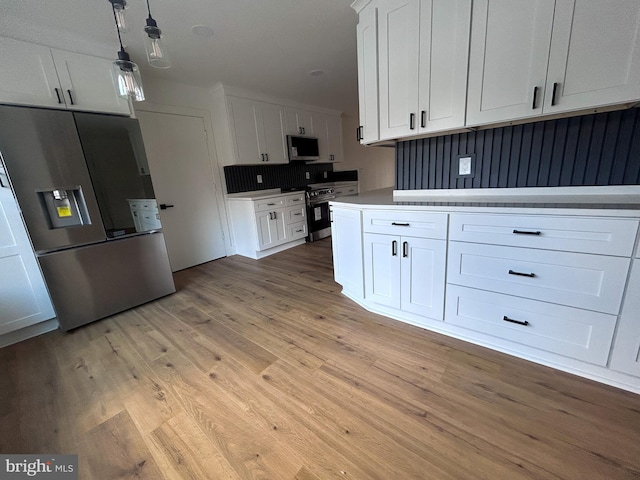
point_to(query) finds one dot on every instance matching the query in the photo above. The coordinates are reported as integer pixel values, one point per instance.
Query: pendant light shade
(157, 54)
(119, 10)
(126, 74)
(127, 77)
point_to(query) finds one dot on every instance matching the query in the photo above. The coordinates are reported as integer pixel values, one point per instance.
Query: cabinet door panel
(87, 83)
(346, 240)
(595, 54)
(508, 58)
(423, 276)
(367, 32)
(274, 139)
(31, 78)
(444, 52)
(398, 44)
(625, 356)
(244, 130)
(382, 269)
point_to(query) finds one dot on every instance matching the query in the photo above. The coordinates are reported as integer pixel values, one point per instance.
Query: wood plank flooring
(263, 370)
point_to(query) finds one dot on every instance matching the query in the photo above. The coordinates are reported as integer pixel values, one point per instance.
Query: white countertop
(257, 195)
(601, 201)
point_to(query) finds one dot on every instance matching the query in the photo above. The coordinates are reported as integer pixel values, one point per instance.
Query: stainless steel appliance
(318, 216)
(302, 148)
(72, 174)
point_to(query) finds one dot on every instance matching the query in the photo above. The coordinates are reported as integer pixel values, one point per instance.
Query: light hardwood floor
(262, 369)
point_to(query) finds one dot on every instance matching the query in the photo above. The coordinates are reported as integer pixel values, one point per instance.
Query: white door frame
(205, 115)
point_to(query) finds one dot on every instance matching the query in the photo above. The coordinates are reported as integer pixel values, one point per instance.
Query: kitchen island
(550, 275)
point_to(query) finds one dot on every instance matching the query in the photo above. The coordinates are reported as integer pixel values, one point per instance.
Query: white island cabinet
(46, 77)
(268, 222)
(546, 282)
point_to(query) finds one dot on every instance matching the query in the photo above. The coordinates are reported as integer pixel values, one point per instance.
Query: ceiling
(269, 46)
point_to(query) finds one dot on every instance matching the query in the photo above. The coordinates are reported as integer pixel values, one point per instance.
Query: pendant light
(126, 73)
(156, 50)
(118, 8)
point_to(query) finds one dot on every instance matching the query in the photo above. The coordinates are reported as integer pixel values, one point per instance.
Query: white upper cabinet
(45, 77)
(367, 32)
(508, 59)
(299, 122)
(257, 131)
(422, 54)
(328, 130)
(595, 54)
(87, 83)
(539, 57)
(398, 50)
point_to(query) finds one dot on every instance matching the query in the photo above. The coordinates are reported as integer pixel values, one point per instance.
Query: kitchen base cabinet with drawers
(552, 289)
(267, 223)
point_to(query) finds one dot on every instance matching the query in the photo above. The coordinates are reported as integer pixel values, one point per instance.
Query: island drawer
(407, 223)
(593, 282)
(604, 236)
(562, 330)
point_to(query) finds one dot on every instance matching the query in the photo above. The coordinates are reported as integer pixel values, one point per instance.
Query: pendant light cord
(149, 9)
(115, 19)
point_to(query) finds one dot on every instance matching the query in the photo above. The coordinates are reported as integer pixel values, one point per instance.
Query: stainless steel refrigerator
(74, 176)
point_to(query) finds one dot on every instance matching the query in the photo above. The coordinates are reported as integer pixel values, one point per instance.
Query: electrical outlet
(259, 178)
(306, 175)
(325, 174)
(464, 166)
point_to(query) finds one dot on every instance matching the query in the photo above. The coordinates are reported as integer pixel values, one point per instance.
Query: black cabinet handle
(70, 97)
(553, 93)
(275, 216)
(266, 156)
(270, 216)
(405, 250)
(423, 119)
(394, 248)
(358, 134)
(535, 98)
(412, 121)
(300, 130)
(164, 206)
(304, 131)
(361, 128)
(519, 322)
(396, 224)
(58, 95)
(520, 274)
(525, 232)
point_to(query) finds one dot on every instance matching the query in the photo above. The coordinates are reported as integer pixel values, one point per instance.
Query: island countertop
(601, 201)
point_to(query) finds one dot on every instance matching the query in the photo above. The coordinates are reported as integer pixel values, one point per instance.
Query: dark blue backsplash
(599, 149)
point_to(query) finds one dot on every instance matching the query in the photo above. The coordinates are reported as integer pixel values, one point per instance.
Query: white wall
(375, 165)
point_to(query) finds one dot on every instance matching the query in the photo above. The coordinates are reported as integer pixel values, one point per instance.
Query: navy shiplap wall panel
(599, 149)
(244, 178)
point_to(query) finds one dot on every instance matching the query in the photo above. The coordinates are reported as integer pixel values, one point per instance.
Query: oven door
(319, 221)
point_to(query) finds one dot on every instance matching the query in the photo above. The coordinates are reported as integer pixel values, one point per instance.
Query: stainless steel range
(318, 218)
(318, 197)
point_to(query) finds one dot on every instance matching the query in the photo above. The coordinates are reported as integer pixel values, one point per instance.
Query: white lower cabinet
(404, 260)
(405, 273)
(346, 241)
(267, 224)
(625, 356)
(554, 289)
(563, 330)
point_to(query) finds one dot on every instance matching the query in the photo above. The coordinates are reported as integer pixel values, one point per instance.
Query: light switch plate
(325, 174)
(306, 175)
(464, 166)
(259, 178)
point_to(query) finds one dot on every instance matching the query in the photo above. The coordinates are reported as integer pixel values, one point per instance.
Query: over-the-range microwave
(302, 148)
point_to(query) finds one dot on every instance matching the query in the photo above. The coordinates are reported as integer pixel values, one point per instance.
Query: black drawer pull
(396, 224)
(530, 275)
(270, 204)
(519, 322)
(525, 232)
(394, 248)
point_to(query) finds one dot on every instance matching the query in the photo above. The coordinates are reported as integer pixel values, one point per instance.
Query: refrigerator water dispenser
(64, 207)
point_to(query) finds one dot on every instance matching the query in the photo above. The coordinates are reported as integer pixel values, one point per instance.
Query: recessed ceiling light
(202, 30)
(316, 73)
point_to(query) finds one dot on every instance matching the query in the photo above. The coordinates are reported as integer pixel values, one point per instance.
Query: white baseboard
(28, 332)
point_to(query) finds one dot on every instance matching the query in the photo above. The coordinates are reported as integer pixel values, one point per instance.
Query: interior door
(182, 176)
(24, 299)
